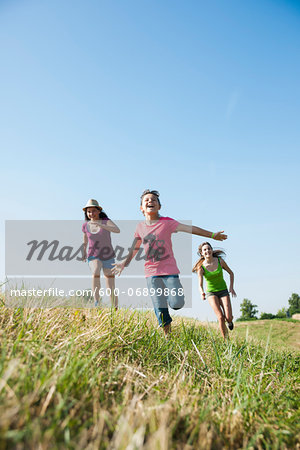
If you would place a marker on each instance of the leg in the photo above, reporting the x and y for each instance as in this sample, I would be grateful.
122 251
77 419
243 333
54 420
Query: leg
215 304
226 304
95 266
160 303
110 284
176 294
167 330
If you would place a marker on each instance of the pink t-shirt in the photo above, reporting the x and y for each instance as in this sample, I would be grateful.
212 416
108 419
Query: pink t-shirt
157 243
99 243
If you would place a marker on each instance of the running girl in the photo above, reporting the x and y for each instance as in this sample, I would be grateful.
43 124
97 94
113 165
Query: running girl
210 266
161 270
100 255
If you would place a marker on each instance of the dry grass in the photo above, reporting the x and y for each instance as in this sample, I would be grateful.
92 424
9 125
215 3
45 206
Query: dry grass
103 379
284 335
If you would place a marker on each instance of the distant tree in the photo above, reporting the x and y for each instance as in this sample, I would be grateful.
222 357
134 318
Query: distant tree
294 302
248 310
282 313
264 316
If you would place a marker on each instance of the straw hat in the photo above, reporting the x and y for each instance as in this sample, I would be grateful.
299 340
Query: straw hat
92 204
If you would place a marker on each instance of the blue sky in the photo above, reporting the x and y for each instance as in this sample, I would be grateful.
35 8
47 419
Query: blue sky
200 101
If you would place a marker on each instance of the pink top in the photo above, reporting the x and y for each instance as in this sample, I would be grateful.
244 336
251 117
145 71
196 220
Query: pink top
157 244
99 243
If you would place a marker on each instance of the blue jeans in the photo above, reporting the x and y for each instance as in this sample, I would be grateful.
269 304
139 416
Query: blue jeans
165 290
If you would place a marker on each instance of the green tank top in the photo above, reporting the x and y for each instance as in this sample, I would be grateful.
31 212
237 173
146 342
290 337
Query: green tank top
214 280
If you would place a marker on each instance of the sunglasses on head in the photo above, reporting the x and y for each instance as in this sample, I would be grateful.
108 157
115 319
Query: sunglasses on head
147 191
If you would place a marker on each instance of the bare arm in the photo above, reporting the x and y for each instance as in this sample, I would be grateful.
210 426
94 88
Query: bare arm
118 268
231 274
200 277
109 225
85 244
218 236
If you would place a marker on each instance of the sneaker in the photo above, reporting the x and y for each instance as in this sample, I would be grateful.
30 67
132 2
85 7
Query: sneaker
230 326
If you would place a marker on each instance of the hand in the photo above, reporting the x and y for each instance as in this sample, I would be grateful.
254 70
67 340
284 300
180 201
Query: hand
232 292
118 269
220 236
203 296
84 256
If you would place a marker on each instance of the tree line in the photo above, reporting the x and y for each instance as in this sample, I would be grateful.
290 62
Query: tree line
249 311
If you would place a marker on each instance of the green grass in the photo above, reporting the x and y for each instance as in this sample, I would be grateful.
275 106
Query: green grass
284 334
102 379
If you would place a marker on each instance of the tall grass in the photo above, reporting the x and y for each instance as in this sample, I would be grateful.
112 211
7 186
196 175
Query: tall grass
285 333
104 379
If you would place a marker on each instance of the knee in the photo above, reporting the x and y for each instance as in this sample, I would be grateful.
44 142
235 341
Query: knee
177 303
95 275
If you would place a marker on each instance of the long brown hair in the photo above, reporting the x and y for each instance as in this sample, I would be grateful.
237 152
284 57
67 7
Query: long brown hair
216 254
102 214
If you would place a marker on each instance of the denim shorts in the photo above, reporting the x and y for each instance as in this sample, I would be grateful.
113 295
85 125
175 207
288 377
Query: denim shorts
106 263
168 292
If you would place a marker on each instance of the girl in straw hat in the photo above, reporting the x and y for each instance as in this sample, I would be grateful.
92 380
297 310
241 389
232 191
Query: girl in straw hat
98 248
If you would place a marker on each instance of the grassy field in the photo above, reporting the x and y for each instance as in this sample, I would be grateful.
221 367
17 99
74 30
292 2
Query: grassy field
283 335
89 379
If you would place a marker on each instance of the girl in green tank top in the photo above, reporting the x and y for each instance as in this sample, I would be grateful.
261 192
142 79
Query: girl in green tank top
214 280
210 266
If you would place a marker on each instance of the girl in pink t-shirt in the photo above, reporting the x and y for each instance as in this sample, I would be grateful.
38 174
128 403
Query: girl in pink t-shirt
98 249
161 270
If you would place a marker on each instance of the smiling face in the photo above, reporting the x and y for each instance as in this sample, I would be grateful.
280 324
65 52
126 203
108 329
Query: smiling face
92 213
206 251
150 205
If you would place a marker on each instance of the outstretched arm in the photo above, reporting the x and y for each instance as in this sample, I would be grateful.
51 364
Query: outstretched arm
109 225
218 236
118 268
231 274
